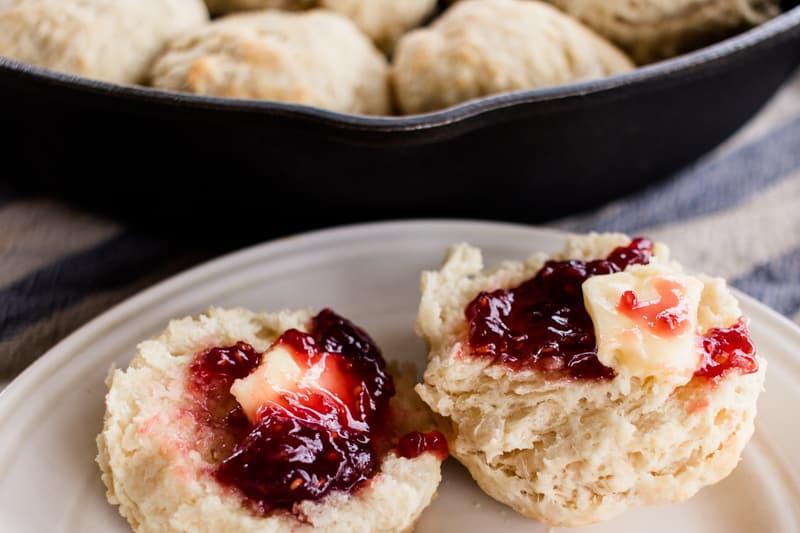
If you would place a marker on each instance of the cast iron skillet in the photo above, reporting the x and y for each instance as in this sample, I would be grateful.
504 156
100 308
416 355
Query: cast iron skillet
179 162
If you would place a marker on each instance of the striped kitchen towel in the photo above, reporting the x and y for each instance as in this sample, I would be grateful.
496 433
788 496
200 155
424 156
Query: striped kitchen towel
735 213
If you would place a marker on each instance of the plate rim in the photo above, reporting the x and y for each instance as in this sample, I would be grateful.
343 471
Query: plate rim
62 350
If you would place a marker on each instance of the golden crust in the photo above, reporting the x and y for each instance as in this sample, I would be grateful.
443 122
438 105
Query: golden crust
482 47
111 40
650 30
383 21
316 58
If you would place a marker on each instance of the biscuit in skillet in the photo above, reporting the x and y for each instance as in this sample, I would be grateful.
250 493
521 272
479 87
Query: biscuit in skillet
483 47
318 58
650 30
109 40
384 21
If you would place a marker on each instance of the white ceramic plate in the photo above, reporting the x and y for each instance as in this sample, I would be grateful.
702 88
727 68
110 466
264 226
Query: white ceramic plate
49 416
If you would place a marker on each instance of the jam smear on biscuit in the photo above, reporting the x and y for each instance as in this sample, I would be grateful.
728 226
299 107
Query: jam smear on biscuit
210 378
414 444
728 349
310 439
543 324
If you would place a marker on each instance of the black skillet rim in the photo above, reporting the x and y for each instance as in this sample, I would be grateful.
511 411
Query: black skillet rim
687 65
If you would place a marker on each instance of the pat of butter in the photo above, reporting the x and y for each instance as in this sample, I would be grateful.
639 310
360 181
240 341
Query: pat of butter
645 321
277 374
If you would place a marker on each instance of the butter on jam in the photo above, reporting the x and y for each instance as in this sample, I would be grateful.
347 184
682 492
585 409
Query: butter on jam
630 313
298 421
291 374
645 321
542 324
276 375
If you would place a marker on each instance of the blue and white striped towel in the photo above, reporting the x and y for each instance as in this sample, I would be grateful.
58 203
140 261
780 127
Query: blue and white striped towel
736 213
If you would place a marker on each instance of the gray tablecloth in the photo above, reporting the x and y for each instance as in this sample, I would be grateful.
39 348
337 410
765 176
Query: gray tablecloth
735 213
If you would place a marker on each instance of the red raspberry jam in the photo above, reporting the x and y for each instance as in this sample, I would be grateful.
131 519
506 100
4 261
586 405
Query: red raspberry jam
211 375
310 441
543 324
415 444
726 349
665 316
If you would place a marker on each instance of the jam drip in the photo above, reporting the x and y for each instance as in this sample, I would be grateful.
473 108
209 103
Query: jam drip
726 349
543 324
286 459
415 444
307 442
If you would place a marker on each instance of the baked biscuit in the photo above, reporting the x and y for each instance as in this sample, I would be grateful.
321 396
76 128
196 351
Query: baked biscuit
656 399
482 47
176 454
110 40
317 58
650 30
384 21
